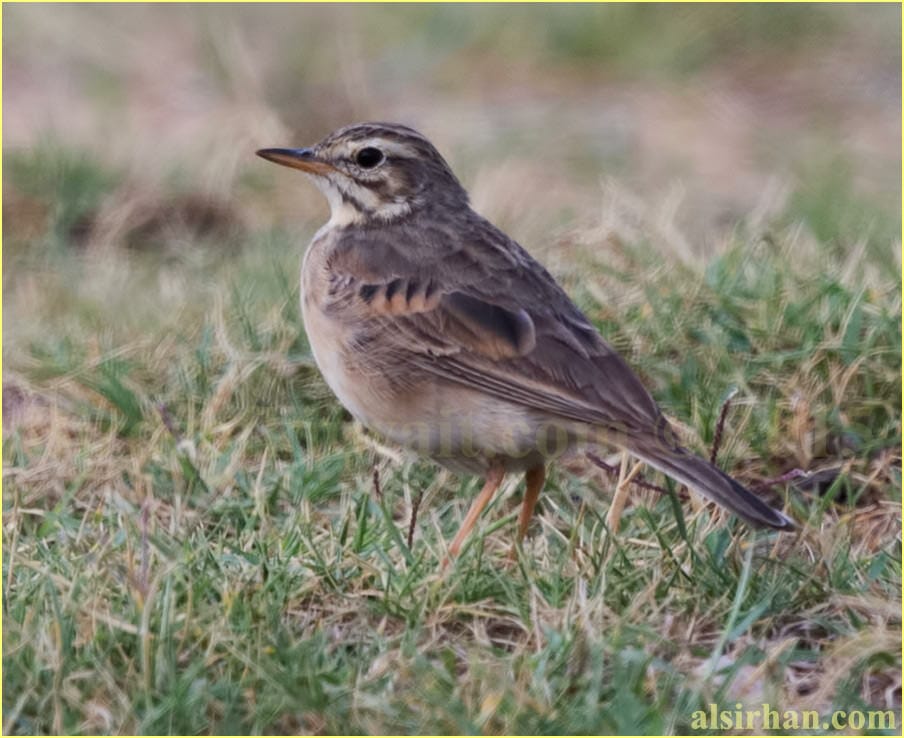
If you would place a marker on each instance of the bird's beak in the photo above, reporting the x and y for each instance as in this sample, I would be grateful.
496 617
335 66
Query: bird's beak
303 159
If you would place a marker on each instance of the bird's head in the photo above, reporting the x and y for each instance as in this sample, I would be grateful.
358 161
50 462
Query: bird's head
375 172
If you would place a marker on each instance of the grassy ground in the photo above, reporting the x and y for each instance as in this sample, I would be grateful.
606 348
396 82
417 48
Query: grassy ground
193 538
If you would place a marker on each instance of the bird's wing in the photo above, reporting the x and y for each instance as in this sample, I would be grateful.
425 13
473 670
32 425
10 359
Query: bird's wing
479 311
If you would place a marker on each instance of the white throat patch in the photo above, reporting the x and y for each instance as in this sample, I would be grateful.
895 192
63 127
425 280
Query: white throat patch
343 212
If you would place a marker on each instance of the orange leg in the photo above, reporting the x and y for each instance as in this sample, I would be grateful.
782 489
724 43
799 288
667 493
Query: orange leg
493 479
534 482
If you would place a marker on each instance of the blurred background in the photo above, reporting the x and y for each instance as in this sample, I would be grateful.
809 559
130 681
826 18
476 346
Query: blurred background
707 114
717 185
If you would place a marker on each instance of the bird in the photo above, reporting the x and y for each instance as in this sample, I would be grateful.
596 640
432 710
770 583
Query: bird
438 331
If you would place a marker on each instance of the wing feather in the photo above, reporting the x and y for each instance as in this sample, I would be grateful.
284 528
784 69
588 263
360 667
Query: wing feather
481 312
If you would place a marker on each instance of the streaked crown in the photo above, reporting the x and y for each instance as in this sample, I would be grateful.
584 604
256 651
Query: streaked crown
382 171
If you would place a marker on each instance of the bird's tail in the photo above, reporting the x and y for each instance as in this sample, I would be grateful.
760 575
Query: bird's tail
682 465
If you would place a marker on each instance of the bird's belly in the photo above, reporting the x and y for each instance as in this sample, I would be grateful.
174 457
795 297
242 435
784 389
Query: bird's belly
460 428
326 338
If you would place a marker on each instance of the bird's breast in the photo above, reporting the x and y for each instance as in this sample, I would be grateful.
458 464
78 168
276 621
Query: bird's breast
329 336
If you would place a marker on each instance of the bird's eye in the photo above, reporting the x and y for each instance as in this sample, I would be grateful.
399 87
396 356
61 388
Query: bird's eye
369 157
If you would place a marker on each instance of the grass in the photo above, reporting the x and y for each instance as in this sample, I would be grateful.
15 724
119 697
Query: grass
193 538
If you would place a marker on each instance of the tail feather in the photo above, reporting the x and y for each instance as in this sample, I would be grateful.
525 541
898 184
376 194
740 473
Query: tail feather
682 465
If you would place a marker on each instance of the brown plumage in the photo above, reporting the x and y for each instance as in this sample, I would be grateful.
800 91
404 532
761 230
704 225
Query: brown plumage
437 330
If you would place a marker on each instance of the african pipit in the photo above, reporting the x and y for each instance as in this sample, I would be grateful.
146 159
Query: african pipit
440 332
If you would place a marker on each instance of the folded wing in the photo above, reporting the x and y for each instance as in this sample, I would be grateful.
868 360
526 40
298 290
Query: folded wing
484 314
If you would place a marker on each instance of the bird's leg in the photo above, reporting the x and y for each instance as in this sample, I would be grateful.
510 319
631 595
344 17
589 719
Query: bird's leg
533 480
494 478
534 485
